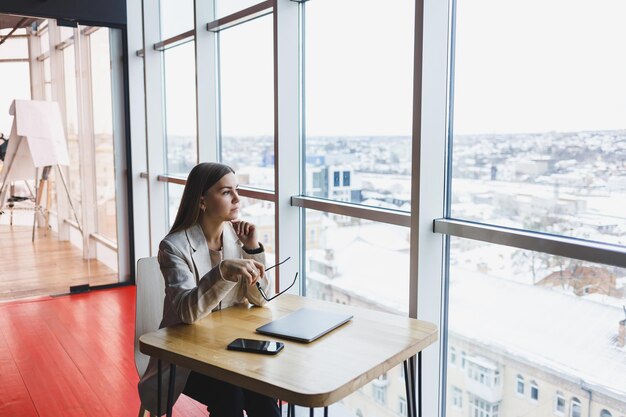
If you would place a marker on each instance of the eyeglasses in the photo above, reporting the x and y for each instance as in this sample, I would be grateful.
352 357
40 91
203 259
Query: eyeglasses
258 285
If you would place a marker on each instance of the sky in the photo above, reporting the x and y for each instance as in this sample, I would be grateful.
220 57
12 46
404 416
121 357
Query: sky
520 66
539 65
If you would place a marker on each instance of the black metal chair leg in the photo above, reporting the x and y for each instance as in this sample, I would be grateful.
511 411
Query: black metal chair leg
159 375
170 390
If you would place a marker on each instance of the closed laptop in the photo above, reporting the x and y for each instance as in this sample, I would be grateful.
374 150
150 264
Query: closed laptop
305 324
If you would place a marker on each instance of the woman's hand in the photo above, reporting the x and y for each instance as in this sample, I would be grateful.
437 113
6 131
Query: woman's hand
246 232
247 269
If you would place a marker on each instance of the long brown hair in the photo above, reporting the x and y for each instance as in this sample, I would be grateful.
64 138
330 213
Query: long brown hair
202 177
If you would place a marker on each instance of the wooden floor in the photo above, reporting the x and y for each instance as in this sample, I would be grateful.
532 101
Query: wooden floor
72 356
45 266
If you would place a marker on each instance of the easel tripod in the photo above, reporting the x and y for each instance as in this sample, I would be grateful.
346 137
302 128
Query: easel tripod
39 189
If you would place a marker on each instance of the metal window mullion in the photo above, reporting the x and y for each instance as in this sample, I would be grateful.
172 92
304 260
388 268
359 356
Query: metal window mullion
358 211
241 16
42 57
138 145
64 44
37 90
88 30
10 60
175 40
206 83
111 244
84 98
557 245
244 191
428 191
120 156
57 88
287 136
155 134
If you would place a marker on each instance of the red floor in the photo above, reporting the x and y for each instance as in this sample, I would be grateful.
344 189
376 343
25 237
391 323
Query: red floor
72 356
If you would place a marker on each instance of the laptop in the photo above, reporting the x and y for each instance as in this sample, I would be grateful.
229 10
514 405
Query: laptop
304 325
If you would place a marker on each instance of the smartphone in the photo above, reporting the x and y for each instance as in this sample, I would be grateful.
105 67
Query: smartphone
256 346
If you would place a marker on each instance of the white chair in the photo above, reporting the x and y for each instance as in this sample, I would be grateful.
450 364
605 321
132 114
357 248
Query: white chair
148 309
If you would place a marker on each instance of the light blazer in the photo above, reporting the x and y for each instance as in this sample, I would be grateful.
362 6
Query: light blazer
194 288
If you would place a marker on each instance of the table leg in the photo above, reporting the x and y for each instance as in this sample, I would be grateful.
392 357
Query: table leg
409 381
311 412
325 411
170 390
159 388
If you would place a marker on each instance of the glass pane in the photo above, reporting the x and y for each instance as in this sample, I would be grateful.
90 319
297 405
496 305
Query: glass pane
45 41
180 109
261 214
174 194
247 101
526 320
539 133
14 84
177 16
71 128
358 101
14 48
366 264
65 32
100 55
226 7
336 247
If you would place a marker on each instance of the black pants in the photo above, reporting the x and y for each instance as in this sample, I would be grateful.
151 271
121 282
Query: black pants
226 400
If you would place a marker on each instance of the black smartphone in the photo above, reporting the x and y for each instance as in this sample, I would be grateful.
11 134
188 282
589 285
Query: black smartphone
256 346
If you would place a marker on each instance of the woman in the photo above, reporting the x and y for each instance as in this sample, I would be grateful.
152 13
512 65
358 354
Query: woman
210 260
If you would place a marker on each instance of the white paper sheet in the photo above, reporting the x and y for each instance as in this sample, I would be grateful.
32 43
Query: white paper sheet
20 163
40 122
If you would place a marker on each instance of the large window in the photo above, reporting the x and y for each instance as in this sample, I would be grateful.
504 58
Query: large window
176 17
100 56
537 144
523 129
539 134
508 313
71 127
358 101
180 108
357 262
247 101
227 7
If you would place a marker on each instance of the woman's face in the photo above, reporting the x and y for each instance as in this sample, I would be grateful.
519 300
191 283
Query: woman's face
221 201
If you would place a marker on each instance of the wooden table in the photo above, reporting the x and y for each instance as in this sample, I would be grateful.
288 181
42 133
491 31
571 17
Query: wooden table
314 374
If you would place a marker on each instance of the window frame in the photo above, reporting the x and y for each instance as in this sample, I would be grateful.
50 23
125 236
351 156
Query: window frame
457 397
429 223
520 383
575 403
533 388
559 396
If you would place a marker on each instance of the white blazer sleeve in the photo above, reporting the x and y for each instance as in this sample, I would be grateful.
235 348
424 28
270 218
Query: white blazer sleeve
189 301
